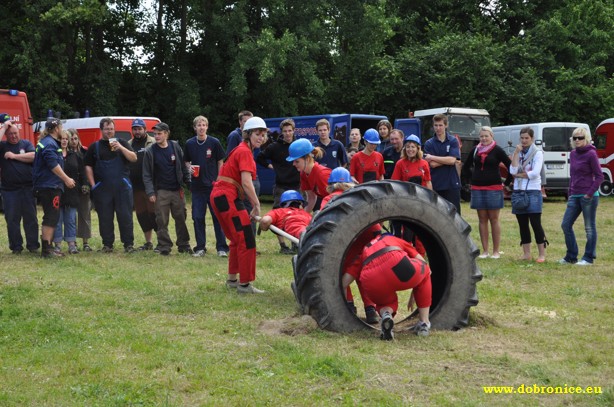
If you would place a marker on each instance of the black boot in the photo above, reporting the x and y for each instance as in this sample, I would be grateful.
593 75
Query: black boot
48 251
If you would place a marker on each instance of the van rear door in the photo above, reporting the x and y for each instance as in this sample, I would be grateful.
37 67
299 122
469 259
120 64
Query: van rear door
556 146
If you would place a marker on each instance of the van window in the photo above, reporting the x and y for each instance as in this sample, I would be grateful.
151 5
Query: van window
557 138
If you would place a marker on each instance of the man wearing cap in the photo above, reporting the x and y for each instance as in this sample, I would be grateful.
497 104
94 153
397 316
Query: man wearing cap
204 157
108 172
16 157
145 211
164 175
48 180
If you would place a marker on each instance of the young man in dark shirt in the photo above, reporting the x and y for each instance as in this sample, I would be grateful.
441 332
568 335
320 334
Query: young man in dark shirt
164 175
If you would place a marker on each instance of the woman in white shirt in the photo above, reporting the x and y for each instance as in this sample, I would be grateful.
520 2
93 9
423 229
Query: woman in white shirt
526 167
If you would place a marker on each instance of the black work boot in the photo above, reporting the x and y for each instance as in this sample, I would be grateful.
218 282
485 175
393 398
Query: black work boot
48 251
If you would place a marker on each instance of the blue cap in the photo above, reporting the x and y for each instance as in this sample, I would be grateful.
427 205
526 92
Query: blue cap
299 148
372 136
289 196
138 123
413 138
339 174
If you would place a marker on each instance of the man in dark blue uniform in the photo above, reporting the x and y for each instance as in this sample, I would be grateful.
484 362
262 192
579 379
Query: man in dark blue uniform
48 180
442 153
334 151
107 169
16 157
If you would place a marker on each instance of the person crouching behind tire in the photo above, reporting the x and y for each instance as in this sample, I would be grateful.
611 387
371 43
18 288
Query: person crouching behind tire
289 217
340 181
390 264
314 177
234 183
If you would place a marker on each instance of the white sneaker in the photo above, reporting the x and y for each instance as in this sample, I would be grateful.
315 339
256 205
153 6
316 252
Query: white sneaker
249 289
199 253
484 255
583 263
222 253
563 261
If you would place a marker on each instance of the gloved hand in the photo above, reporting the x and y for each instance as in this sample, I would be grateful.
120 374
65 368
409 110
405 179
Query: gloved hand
85 189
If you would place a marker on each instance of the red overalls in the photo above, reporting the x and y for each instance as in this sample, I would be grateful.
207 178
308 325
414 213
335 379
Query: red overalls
388 266
232 215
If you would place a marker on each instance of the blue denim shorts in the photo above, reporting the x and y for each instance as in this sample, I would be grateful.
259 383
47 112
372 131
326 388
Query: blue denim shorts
536 203
481 199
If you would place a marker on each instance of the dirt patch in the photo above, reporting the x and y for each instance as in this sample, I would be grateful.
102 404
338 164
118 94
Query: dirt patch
291 326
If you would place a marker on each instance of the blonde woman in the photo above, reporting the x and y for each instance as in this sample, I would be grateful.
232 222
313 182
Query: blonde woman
586 176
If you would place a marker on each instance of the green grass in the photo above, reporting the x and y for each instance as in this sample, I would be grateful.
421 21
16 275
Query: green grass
143 329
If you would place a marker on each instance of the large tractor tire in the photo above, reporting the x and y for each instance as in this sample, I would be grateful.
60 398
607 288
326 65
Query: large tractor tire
451 252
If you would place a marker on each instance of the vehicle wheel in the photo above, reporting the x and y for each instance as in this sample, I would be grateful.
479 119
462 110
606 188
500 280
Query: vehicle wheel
451 252
605 188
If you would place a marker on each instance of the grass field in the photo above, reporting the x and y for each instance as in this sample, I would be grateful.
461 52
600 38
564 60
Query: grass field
143 329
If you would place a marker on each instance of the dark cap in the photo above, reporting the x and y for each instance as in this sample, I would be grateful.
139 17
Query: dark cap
162 126
52 123
138 123
4 117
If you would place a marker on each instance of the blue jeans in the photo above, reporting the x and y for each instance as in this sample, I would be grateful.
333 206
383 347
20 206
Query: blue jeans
200 201
68 218
588 209
21 205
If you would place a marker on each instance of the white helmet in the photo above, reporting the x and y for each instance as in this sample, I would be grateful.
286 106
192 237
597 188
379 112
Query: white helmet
254 123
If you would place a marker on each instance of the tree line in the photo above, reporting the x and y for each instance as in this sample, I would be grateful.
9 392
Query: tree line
522 60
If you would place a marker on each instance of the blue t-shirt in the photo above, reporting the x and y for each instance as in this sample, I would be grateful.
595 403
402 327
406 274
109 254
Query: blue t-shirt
165 170
15 174
206 154
445 177
335 154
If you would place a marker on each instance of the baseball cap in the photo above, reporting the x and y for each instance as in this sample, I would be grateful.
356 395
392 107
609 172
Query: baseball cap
4 117
162 126
138 123
52 123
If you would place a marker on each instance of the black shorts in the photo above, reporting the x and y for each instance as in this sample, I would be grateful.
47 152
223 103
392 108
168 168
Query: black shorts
50 200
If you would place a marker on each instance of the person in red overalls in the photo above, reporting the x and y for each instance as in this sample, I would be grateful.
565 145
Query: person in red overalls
368 165
290 216
234 184
390 264
314 177
339 182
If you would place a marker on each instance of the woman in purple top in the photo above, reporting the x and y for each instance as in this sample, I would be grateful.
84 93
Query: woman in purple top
586 176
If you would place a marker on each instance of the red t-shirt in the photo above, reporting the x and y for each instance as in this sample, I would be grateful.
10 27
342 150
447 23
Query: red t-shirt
316 181
367 168
327 198
290 220
406 170
241 159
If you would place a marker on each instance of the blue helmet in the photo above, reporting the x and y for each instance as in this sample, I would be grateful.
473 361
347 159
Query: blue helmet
372 136
299 148
138 123
413 138
288 196
339 174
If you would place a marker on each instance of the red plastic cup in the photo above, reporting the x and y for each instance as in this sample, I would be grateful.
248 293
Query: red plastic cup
196 170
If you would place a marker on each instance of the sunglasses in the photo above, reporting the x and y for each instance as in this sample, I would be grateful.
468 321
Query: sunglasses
578 138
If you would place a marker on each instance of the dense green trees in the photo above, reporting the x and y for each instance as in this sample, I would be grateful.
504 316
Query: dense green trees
523 60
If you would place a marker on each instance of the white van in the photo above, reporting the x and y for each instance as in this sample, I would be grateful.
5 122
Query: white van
553 138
